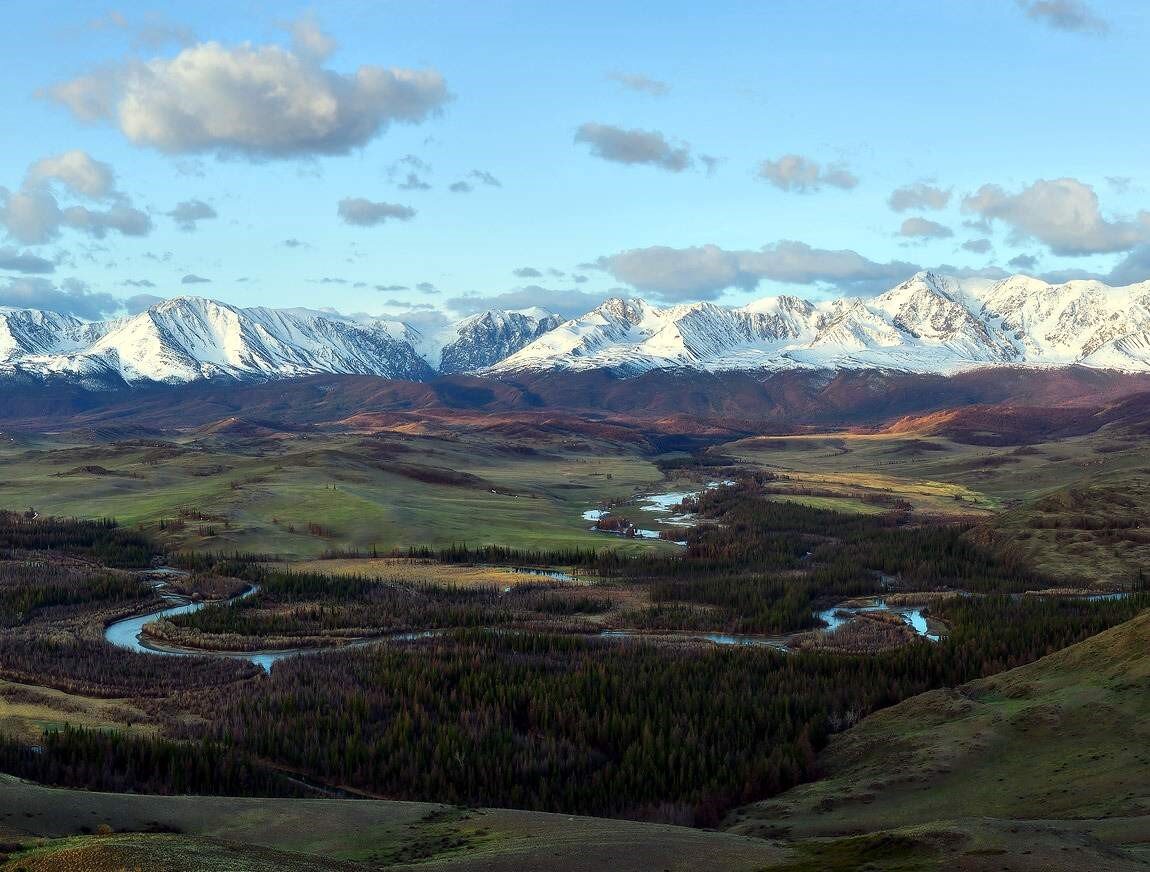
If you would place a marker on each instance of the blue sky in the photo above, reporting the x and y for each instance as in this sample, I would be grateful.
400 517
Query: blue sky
698 151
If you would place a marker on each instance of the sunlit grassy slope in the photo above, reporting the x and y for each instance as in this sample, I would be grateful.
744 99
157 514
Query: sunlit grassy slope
262 495
1077 508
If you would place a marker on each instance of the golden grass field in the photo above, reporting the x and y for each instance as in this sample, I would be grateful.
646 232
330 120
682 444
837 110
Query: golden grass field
405 570
26 711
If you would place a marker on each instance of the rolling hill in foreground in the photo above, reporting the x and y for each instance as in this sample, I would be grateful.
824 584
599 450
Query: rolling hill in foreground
1044 768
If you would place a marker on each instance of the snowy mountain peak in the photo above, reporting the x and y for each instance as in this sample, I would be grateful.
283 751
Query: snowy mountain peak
485 338
928 323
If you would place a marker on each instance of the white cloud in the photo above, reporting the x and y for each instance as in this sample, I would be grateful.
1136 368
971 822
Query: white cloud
648 147
706 271
122 218
919 195
367 213
33 215
77 171
12 260
923 228
1062 213
253 101
978 246
793 172
188 212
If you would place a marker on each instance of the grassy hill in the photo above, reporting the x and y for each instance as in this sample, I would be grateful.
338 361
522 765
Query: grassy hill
265 834
1050 762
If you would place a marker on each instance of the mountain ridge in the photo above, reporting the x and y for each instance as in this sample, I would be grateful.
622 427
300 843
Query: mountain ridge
930 323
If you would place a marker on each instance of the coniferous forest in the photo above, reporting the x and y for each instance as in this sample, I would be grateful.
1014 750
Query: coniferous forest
513 698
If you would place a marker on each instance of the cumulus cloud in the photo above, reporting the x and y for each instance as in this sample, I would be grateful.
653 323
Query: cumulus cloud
138 283
12 260
294 243
566 302
390 288
978 246
70 296
919 195
426 288
77 171
1071 15
647 147
253 101
923 228
793 172
642 84
30 216
368 213
33 214
193 279
1062 213
187 213
122 218
460 188
704 272
527 272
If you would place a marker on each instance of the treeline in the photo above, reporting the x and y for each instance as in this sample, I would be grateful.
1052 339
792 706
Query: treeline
290 605
765 566
121 763
28 586
755 565
103 541
610 727
95 668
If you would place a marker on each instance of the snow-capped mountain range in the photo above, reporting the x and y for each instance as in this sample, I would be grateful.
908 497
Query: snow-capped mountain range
930 323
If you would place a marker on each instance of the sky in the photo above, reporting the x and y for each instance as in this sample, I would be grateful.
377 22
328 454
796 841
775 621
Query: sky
431 159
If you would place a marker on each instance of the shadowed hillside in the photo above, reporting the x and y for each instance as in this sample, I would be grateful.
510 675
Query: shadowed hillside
1055 747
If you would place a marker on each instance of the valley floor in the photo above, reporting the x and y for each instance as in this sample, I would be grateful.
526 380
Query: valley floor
950 779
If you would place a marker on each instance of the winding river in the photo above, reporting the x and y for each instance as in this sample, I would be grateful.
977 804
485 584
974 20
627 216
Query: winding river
128 633
911 616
